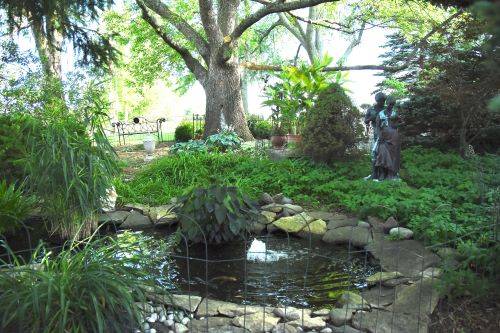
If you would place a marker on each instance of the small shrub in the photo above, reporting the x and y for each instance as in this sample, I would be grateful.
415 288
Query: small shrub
332 127
184 132
14 207
260 128
216 214
12 147
192 146
87 287
224 141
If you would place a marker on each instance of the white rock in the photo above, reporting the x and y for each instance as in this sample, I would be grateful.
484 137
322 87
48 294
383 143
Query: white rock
326 330
145 326
179 328
153 318
162 319
170 316
185 321
169 322
152 330
402 233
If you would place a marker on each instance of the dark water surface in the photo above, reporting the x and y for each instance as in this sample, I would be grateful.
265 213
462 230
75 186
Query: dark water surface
307 274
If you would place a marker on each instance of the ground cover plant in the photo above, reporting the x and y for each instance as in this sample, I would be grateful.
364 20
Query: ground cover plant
89 286
441 195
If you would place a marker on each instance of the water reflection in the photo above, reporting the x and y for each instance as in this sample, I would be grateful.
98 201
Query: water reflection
300 274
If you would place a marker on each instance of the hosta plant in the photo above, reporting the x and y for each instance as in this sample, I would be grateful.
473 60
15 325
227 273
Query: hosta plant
216 214
224 141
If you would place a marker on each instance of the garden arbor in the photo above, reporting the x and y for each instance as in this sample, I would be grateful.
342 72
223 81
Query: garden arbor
213 59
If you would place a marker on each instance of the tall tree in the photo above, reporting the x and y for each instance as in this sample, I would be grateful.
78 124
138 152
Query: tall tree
214 63
54 21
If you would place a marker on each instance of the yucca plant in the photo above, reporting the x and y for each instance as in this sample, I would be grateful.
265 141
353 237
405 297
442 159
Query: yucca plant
90 286
14 207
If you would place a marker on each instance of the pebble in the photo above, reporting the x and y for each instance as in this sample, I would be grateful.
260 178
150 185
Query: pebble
153 318
185 321
169 322
145 326
326 330
179 328
170 316
162 318
152 330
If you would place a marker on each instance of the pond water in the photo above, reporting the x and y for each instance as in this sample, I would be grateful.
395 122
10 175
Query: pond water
269 271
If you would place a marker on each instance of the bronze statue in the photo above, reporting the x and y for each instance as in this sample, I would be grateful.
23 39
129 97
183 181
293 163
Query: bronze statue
387 148
370 118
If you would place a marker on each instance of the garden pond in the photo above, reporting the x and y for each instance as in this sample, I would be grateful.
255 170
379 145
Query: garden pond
270 270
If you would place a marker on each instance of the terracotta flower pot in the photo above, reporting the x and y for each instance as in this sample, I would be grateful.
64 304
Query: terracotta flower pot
278 141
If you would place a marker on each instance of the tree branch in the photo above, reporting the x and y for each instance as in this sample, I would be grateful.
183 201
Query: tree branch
192 64
271 8
276 68
209 21
180 24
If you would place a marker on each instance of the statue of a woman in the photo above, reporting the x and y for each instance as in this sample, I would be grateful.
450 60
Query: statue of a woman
387 149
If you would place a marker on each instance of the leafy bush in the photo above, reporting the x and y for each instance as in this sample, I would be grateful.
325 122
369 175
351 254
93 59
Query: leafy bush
260 128
332 127
87 287
192 146
224 141
216 214
14 207
184 132
70 164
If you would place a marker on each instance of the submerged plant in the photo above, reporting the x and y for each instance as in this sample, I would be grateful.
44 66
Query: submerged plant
87 287
216 214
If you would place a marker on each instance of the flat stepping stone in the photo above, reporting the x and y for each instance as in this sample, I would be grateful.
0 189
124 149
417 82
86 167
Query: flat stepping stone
257 322
389 322
420 298
322 215
379 296
204 325
409 257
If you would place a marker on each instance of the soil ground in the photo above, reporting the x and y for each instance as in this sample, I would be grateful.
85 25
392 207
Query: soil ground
466 315
135 157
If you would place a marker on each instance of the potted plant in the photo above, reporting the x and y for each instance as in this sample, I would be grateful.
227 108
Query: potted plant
278 138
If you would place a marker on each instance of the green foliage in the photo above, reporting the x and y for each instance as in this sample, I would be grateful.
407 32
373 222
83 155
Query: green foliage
184 132
332 128
89 286
223 141
11 147
439 197
260 128
14 207
296 92
66 158
192 146
477 272
216 214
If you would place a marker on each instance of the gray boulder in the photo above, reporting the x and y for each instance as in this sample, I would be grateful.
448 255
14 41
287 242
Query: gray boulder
355 236
341 220
266 199
116 217
136 220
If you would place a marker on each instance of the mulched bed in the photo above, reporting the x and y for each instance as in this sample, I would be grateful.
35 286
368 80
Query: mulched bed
466 315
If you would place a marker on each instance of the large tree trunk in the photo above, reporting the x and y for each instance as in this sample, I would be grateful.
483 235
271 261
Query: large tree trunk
223 98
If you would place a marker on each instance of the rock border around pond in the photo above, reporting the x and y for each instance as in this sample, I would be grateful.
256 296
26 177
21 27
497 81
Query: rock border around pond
403 289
